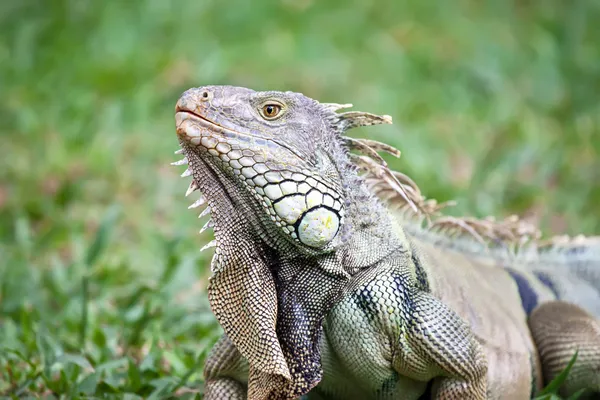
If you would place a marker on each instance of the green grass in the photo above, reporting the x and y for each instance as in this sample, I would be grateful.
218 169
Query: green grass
102 287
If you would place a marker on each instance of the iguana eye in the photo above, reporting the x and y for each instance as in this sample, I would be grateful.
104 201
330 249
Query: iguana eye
271 110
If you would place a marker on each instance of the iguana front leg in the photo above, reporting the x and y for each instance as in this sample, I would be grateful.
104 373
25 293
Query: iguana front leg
225 372
228 376
394 338
438 343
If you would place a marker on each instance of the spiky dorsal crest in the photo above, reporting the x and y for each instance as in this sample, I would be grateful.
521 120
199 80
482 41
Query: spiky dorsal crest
371 161
401 193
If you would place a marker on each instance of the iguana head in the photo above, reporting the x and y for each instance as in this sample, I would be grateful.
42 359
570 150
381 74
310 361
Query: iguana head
286 204
276 148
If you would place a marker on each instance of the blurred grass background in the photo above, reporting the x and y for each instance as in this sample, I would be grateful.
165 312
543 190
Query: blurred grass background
495 103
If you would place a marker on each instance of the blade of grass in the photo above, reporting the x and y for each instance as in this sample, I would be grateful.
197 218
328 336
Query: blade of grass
94 251
554 386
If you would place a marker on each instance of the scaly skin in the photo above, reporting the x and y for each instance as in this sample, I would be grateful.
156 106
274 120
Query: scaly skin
323 291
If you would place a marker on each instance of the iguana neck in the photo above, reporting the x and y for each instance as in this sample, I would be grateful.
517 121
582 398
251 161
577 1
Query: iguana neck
371 233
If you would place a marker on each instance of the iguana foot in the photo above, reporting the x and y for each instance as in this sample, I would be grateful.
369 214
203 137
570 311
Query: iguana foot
224 388
223 366
559 329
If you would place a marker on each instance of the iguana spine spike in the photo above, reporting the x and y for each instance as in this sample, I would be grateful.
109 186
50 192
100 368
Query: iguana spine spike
197 203
358 145
380 146
183 161
193 187
209 224
212 243
336 106
355 119
204 212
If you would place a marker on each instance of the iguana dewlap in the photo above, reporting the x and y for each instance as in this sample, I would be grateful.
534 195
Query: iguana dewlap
334 278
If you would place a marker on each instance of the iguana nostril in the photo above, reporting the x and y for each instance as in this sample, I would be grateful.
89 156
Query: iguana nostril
206 95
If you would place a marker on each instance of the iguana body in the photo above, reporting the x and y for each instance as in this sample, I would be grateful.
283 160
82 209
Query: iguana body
324 291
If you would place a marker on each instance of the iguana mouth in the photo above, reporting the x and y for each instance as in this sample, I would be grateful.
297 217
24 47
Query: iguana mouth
182 115
194 135
198 116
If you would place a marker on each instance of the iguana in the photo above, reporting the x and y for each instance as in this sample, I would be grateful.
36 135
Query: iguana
333 277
